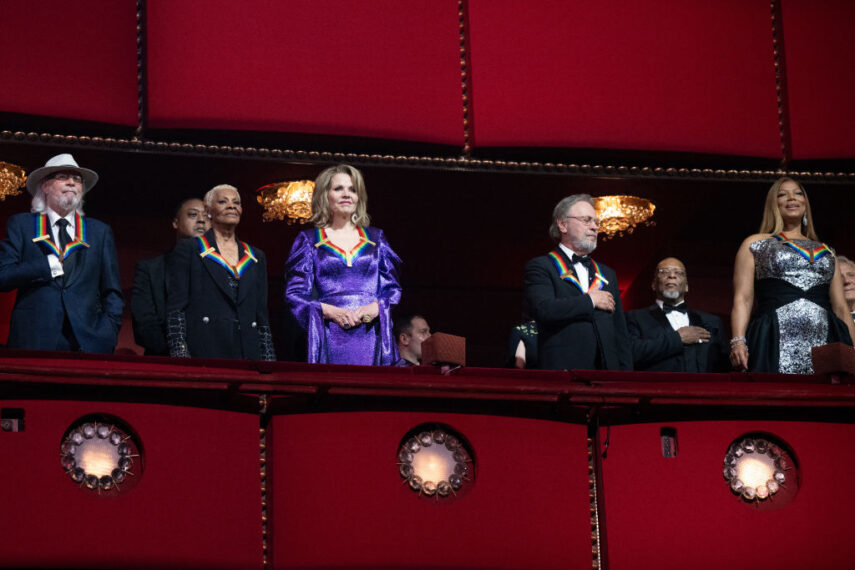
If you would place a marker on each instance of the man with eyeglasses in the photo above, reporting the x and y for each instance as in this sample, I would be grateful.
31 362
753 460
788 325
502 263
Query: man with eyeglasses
64 266
575 300
671 337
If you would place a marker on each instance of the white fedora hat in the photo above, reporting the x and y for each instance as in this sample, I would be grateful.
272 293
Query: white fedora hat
59 163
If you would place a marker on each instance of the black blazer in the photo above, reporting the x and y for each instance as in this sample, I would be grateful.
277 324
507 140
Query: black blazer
148 305
571 332
656 346
198 288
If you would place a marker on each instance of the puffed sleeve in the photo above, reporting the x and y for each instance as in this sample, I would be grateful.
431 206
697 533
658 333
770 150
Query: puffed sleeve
299 286
388 295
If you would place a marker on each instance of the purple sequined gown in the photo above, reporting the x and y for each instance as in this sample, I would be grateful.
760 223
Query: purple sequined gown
319 272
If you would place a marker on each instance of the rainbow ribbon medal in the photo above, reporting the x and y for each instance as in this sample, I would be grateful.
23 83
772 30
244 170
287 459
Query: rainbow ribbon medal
207 250
810 254
347 257
567 274
43 236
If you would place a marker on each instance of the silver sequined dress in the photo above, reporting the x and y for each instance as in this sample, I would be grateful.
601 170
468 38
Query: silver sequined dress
802 324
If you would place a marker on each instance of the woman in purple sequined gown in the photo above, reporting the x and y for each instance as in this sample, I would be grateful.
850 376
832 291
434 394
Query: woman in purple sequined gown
798 288
342 276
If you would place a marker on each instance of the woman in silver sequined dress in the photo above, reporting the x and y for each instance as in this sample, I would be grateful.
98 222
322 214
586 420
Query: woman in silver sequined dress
798 288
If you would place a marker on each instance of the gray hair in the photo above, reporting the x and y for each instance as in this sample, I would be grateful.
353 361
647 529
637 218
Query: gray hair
844 259
561 210
209 195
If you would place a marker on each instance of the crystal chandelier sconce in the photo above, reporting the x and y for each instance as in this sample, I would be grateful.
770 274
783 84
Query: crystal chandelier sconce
12 179
620 215
289 201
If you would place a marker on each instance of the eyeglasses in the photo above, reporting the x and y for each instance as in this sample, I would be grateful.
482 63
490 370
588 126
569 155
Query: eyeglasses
63 176
666 272
587 220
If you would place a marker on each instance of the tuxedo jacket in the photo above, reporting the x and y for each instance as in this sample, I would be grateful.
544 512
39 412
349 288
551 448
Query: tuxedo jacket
656 346
218 324
90 295
148 305
571 333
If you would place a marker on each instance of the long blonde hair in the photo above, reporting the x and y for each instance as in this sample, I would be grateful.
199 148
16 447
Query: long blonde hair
321 202
773 223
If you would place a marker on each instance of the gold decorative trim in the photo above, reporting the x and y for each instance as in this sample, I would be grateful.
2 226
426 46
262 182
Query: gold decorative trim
141 70
262 449
437 162
594 507
780 84
462 17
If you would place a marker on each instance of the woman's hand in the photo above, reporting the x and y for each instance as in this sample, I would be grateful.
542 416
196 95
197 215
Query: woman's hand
367 313
739 355
345 318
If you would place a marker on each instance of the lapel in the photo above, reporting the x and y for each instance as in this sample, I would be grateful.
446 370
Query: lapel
74 251
568 265
695 319
659 316
214 263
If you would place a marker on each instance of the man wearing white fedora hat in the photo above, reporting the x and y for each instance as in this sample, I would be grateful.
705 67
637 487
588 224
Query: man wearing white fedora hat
64 266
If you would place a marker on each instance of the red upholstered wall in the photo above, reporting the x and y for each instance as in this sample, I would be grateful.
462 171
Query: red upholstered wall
655 75
75 61
680 513
339 501
820 57
196 505
383 69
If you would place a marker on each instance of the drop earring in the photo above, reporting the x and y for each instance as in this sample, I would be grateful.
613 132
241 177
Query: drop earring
804 220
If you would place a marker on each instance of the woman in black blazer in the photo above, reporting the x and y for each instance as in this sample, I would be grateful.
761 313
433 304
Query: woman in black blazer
217 289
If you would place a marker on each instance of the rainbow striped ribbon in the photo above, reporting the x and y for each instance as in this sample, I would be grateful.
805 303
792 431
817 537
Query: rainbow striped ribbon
43 236
347 257
566 273
207 250
810 254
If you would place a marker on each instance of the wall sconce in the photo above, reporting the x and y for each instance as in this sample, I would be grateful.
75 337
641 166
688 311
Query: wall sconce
12 179
289 201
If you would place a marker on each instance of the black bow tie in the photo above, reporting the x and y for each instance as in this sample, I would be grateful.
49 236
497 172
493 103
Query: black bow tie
585 260
681 308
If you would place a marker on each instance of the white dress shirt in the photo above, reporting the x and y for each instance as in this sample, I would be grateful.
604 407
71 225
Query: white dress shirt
581 270
677 319
71 229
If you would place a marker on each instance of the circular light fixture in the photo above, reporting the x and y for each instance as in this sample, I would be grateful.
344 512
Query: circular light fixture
434 461
99 453
759 467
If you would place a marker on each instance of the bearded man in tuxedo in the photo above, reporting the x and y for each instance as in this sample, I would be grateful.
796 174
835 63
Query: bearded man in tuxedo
668 336
574 299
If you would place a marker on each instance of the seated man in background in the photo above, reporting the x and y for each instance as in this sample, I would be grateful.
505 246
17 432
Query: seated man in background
148 300
670 337
410 333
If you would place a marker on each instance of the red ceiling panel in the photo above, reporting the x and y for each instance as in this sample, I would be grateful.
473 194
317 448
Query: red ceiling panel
657 75
71 60
820 57
384 69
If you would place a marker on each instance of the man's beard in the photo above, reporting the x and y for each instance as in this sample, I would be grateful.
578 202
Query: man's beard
69 203
585 245
671 295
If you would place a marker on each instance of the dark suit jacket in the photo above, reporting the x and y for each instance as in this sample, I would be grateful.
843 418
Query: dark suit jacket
217 326
148 305
656 346
571 332
90 296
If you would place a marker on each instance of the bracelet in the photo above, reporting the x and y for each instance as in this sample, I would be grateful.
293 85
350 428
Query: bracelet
736 339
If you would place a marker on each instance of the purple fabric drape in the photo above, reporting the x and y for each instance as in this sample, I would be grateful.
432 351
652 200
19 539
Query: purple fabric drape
318 273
